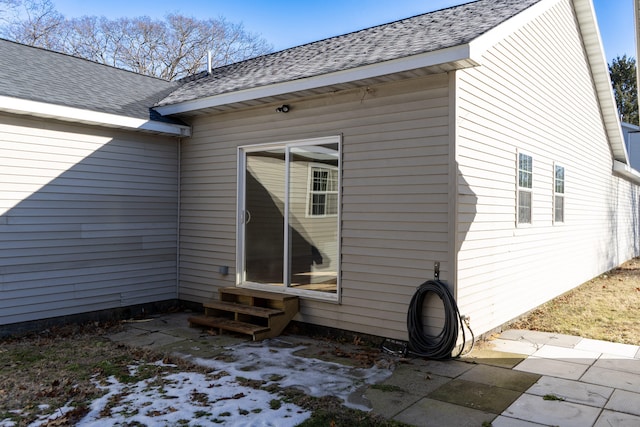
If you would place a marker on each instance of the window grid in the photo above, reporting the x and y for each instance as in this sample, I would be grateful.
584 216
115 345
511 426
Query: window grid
525 187
323 192
558 194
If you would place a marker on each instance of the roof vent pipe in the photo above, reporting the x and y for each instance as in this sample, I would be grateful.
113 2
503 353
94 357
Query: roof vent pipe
209 62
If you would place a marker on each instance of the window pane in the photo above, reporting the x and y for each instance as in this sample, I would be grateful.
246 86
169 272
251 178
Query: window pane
559 209
524 207
525 171
559 179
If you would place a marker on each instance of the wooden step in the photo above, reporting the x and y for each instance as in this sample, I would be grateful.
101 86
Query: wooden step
228 325
275 296
261 314
234 307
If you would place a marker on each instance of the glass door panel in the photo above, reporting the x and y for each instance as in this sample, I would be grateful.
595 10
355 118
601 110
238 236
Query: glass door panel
264 216
313 217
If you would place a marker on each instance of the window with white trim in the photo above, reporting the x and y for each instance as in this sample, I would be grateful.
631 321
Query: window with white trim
558 194
323 191
525 188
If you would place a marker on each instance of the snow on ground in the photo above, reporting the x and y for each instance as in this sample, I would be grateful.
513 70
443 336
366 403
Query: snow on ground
274 361
217 399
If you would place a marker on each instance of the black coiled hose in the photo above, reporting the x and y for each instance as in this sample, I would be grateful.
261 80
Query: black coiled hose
440 346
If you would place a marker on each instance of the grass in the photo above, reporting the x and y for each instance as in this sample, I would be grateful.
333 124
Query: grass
605 308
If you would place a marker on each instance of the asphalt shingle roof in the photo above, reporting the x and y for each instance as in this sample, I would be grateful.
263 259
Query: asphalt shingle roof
41 75
420 34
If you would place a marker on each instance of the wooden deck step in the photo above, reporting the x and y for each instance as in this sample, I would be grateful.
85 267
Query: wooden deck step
243 309
275 296
228 325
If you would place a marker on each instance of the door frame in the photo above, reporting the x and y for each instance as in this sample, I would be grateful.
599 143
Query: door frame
241 209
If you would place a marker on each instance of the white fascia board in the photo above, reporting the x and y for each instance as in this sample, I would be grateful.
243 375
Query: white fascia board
594 50
78 115
443 56
492 37
626 171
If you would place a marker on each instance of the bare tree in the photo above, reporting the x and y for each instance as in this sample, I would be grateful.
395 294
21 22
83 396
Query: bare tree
172 48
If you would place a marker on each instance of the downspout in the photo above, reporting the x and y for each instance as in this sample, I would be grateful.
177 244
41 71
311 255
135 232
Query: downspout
178 213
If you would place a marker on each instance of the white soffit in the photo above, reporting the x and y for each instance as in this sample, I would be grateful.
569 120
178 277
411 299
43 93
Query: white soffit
448 55
78 115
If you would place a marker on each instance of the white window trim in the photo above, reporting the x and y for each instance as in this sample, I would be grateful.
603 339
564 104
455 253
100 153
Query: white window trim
310 191
525 189
556 194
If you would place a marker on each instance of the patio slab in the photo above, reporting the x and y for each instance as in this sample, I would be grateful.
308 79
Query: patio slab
540 338
477 396
434 413
572 391
501 377
552 412
624 401
617 419
613 378
553 368
567 354
489 356
612 348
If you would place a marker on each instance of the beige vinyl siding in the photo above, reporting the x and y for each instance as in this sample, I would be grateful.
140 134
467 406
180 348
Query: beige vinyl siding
533 94
88 219
394 197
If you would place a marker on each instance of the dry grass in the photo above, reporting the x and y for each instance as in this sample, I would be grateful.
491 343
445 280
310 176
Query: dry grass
605 308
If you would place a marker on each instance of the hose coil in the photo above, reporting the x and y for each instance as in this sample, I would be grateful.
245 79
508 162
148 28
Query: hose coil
440 346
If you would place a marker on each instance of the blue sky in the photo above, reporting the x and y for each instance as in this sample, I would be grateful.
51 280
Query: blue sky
287 23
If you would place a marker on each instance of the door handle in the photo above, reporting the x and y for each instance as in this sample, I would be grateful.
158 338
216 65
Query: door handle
247 217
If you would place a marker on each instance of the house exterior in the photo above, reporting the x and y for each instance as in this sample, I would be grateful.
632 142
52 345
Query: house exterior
481 141
88 193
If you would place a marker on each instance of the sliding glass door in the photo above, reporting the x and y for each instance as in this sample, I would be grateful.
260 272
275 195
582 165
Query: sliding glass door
289 206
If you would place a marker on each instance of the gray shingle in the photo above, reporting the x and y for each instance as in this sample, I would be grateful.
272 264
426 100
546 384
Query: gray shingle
412 36
40 75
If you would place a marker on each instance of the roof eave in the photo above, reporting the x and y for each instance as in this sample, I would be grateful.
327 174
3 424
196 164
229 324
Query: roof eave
458 55
602 82
626 171
95 118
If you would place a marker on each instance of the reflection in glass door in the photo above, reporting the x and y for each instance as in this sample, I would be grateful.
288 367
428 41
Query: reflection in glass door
291 194
264 216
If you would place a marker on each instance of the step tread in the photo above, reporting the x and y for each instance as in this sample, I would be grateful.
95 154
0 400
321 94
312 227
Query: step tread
243 308
228 324
276 296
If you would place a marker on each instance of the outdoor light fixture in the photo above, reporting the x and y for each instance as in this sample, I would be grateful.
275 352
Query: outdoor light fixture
284 109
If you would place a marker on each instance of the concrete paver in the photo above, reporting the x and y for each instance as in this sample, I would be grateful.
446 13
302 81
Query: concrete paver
500 377
588 383
552 368
624 401
613 378
474 395
552 412
612 348
617 419
434 413
572 391
566 354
